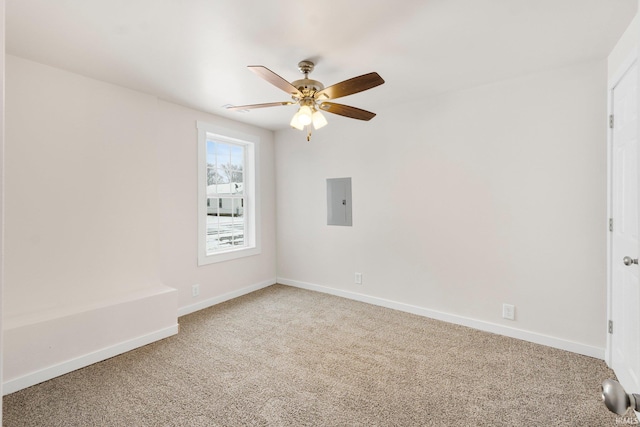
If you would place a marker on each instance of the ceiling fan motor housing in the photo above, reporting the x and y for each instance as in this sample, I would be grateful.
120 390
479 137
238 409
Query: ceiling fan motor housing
307 86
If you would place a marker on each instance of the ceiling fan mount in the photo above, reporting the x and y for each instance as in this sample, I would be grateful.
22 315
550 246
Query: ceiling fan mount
306 67
312 96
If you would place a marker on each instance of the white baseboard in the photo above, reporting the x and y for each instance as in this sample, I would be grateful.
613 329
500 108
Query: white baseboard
533 337
85 360
200 305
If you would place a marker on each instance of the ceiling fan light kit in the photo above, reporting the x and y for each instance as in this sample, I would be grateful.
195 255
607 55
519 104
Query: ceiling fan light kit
311 96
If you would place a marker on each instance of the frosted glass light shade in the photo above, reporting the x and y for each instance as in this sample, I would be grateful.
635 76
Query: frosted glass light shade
295 122
318 120
304 115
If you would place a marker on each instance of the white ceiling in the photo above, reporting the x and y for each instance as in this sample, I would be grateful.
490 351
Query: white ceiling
195 52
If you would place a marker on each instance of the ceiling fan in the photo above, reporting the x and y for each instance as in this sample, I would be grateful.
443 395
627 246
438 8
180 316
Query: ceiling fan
312 96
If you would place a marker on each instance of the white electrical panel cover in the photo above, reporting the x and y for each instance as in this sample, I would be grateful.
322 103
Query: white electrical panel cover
339 201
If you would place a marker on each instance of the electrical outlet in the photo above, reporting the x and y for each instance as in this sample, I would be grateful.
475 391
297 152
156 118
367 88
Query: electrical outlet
358 279
508 311
195 290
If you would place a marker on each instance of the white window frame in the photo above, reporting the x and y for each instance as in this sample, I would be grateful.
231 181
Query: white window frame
251 192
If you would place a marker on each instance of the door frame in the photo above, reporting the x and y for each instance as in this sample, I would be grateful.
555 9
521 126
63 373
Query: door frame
624 67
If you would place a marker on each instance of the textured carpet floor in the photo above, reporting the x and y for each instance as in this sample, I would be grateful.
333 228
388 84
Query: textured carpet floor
288 357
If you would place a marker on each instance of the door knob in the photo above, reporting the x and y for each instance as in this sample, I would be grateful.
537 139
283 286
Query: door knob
628 260
616 399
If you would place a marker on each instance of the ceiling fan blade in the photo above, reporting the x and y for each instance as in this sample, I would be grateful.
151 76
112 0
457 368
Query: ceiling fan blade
268 104
347 111
275 79
351 86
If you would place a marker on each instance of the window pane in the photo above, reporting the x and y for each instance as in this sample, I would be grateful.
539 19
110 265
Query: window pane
235 175
227 175
212 206
211 153
237 183
225 206
237 157
238 222
213 176
239 208
223 154
223 181
237 168
225 222
213 242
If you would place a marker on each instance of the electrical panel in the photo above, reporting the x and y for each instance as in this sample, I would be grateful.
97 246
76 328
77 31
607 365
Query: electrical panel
339 201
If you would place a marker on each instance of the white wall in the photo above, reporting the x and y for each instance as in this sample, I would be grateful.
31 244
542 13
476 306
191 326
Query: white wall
628 42
81 190
101 222
476 198
81 223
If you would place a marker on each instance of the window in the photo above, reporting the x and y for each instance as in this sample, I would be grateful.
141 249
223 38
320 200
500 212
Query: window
227 195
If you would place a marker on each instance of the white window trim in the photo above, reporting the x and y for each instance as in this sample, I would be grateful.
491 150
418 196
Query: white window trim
251 189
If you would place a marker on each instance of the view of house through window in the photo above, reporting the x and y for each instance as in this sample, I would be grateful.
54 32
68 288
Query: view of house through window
226 225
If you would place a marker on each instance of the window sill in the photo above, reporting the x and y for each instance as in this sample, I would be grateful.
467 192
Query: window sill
227 255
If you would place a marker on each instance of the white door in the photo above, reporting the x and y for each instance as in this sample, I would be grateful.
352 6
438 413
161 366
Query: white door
625 287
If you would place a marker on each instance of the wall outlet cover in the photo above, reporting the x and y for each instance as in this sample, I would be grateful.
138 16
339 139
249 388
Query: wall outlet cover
508 311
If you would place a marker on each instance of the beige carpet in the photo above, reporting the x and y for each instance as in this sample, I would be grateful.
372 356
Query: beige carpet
289 357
